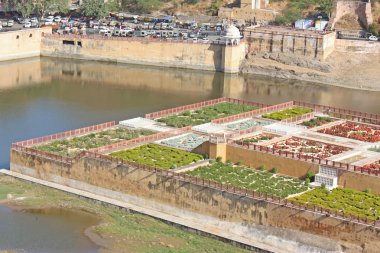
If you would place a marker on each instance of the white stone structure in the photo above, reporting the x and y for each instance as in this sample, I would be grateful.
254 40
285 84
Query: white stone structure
232 36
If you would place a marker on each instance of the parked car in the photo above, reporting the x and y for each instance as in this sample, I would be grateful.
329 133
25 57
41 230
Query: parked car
57 19
27 24
373 38
205 40
10 23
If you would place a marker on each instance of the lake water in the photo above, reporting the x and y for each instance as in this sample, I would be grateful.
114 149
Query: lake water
45 231
44 96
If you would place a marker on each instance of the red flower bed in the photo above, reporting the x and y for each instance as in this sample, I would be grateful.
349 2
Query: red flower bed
308 147
354 131
374 166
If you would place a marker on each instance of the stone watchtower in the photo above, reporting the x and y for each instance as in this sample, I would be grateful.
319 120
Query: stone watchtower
234 51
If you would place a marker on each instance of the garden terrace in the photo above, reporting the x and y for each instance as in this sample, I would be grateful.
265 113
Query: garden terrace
258 138
187 142
205 114
318 121
158 156
245 124
287 113
73 146
356 131
345 201
247 178
309 147
373 166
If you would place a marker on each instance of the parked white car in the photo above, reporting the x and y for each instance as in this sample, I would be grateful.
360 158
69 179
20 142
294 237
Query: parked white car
104 29
34 20
373 38
10 23
27 24
57 19
205 40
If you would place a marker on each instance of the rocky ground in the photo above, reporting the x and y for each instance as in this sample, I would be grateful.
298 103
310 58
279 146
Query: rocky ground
352 70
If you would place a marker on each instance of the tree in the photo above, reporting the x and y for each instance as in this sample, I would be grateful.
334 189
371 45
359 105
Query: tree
148 5
25 7
99 9
325 6
48 6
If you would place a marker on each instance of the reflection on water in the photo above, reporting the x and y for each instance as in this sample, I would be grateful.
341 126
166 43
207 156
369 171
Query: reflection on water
44 96
45 231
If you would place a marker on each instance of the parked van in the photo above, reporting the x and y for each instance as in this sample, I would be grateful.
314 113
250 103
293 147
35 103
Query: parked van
140 33
164 34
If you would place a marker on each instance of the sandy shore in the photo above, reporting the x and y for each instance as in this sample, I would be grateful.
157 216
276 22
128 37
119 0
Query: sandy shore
349 70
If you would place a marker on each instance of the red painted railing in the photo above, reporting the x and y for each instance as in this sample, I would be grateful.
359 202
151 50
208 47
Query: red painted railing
66 134
253 113
306 158
176 110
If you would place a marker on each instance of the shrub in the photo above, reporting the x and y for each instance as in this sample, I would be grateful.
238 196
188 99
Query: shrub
239 163
374 28
274 170
368 190
219 159
307 181
261 167
243 177
323 186
310 175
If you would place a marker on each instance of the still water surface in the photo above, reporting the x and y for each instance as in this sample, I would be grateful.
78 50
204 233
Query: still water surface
45 96
45 231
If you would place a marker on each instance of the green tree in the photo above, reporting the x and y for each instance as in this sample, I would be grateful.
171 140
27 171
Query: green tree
96 8
374 28
50 6
25 7
325 6
148 5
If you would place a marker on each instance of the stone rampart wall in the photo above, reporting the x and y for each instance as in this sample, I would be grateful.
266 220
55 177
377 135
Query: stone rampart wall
200 200
21 44
205 56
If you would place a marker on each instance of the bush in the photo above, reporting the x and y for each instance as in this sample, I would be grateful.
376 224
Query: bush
368 190
219 159
274 170
310 175
307 181
374 28
261 167
239 163
323 186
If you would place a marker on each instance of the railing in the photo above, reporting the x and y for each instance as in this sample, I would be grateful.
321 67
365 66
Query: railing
141 140
66 134
199 105
302 117
208 183
361 116
305 158
253 113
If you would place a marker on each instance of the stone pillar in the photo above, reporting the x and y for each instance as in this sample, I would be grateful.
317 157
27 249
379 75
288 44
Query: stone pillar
232 57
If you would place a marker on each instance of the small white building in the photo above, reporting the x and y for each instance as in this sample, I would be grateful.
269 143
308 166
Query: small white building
232 36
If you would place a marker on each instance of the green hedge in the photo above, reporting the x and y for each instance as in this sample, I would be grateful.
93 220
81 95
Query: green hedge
72 146
243 177
288 113
205 114
347 200
158 156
